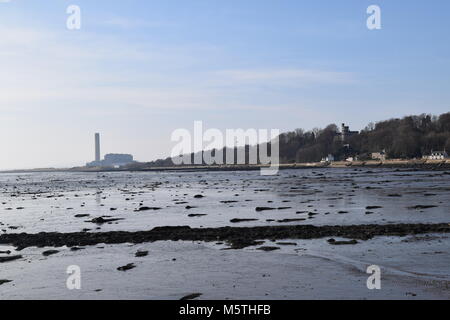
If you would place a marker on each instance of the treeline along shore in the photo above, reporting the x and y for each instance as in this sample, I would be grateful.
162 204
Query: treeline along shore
407 141
394 164
440 165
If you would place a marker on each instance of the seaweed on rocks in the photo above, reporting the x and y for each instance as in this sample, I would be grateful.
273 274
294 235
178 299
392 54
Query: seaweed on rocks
237 237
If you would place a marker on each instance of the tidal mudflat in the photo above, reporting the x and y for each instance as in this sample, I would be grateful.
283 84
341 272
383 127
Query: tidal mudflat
307 233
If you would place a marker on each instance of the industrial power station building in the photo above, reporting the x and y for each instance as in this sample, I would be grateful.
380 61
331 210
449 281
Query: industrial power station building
114 160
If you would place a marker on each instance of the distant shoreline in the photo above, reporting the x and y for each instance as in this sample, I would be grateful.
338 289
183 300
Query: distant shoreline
398 164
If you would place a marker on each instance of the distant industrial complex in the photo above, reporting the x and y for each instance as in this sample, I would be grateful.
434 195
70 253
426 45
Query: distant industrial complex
114 160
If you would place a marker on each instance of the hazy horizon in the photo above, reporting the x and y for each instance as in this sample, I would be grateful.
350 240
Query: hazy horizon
138 70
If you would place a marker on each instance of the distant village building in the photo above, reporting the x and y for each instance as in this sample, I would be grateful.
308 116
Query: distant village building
347 133
437 155
379 155
329 158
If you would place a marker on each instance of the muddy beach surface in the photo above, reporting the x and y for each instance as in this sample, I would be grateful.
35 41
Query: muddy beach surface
303 234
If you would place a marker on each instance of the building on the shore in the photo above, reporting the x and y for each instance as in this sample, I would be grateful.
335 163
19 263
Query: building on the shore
346 133
114 160
437 155
379 155
351 159
329 158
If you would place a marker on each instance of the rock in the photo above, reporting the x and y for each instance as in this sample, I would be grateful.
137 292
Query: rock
290 220
421 207
4 281
191 296
373 207
242 220
148 208
82 215
127 267
338 243
10 258
286 243
140 254
102 220
259 209
199 196
49 252
268 248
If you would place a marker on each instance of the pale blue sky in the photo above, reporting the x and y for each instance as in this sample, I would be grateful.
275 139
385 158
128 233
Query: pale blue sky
139 69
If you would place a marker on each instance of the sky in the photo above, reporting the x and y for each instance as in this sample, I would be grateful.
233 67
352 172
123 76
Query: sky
137 70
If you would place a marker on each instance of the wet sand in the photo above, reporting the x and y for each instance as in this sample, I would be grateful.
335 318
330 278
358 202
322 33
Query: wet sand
314 231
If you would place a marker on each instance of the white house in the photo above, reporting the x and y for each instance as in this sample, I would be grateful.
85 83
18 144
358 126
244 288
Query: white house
438 155
379 155
329 158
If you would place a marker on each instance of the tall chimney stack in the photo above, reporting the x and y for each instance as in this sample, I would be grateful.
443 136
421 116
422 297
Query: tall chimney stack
97 147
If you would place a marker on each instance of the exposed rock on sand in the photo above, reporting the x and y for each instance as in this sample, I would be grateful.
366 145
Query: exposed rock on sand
147 208
102 220
268 248
237 237
289 220
339 243
140 254
259 209
49 252
8 259
127 267
191 296
242 220
421 207
81 215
